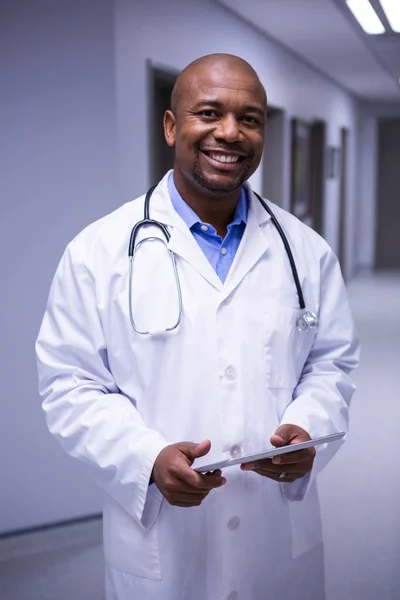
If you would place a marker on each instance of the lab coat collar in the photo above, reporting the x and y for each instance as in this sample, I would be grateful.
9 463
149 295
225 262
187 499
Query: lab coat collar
252 246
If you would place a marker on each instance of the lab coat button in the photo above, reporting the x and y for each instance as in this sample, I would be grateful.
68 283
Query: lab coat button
230 373
233 523
233 595
235 451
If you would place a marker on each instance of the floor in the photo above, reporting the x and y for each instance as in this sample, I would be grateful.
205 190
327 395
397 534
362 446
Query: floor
359 491
62 563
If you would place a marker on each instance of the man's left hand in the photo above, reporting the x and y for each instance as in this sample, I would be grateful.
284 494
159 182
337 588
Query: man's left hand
286 467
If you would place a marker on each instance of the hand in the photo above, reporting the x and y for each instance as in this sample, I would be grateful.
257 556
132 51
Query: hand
292 465
179 484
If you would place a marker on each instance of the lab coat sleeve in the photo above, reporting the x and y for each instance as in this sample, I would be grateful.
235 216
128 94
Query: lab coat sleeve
84 409
322 397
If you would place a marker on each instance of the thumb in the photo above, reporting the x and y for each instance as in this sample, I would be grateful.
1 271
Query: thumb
289 434
193 451
201 449
284 435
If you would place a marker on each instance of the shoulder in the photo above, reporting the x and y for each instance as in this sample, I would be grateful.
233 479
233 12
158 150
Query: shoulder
106 238
301 236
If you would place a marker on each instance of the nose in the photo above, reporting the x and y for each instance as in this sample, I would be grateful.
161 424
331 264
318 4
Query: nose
228 129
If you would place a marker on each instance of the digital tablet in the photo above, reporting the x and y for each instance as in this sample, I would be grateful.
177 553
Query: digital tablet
240 460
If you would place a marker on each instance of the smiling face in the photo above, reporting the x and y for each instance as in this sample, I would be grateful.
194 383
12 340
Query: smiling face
217 125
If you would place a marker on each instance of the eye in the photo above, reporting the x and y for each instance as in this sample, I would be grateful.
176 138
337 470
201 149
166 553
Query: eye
208 114
250 120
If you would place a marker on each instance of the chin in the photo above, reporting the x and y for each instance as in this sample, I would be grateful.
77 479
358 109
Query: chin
218 185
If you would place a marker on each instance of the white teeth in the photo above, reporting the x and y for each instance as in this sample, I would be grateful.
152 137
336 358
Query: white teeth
223 158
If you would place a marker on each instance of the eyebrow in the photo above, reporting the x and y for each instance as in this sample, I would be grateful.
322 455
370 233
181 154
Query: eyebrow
216 104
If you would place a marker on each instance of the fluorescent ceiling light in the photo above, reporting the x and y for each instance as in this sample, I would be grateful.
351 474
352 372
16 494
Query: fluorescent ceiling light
366 16
392 12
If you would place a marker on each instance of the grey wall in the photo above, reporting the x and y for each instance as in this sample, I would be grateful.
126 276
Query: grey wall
58 173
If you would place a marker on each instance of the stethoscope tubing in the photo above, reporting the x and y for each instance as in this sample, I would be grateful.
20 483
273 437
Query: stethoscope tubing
308 320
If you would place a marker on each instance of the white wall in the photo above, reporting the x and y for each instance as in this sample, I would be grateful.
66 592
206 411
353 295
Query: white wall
367 168
58 173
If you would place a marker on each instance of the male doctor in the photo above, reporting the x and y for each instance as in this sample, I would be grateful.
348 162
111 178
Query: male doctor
233 377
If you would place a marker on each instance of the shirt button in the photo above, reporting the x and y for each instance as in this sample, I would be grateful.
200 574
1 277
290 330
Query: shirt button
233 595
235 451
224 250
204 228
233 523
230 373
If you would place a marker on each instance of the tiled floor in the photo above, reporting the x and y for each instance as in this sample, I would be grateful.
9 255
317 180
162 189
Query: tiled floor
360 490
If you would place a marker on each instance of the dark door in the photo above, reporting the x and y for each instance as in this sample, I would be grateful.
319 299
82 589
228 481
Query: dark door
161 84
317 176
307 172
273 156
344 137
387 253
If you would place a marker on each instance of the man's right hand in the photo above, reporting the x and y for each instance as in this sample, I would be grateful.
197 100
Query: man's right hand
177 481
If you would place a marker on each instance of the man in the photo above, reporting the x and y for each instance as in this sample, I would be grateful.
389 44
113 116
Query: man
232 371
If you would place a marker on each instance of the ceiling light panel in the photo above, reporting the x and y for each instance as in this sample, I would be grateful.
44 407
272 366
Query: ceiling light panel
392 12
366 16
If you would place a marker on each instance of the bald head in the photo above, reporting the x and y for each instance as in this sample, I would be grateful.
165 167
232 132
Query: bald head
214 67
216 125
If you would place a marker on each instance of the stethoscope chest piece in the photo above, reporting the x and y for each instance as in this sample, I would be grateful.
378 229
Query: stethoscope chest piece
307 321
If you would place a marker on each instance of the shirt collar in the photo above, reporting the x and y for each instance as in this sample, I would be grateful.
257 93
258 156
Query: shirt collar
188 215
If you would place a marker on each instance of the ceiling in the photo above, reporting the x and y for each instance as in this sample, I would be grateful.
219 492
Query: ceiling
325 34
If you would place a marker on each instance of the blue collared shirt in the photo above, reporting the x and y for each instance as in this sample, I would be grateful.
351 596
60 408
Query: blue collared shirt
219 251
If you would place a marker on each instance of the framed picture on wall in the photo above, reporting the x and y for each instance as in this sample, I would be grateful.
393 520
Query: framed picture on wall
301 197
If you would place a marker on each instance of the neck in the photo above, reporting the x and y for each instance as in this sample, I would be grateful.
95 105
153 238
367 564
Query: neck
214 208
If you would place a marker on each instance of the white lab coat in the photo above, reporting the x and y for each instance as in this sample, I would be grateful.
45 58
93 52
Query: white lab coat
234 369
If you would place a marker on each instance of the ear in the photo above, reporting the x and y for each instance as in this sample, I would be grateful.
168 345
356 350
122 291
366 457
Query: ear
170 128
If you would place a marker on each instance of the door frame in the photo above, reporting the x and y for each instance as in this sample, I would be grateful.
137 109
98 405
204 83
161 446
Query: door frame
155 71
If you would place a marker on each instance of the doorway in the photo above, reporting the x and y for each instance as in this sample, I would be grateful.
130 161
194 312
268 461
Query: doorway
387 253
317 175
308 172
161 84
344 142
273 157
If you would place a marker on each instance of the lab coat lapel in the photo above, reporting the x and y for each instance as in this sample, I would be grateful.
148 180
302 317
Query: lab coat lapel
253 245
182 243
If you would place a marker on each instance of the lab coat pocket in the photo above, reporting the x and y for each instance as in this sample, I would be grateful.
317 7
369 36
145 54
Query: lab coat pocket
286 348
129 546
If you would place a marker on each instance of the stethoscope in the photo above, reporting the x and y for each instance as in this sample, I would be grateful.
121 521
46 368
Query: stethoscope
307 320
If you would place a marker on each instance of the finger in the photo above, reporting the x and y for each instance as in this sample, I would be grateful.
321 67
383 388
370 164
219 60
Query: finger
198 481
289 477
218 472
298 456
185 504
187 498
271 469
180 487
